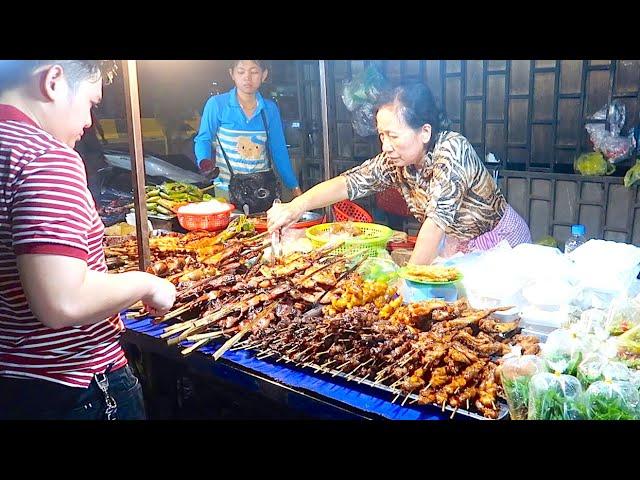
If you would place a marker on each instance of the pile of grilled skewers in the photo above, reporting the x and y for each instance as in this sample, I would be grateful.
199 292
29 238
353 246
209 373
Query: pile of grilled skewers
434 352
312 310
192 256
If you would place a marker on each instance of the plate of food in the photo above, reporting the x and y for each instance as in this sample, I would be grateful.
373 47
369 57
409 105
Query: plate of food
430 274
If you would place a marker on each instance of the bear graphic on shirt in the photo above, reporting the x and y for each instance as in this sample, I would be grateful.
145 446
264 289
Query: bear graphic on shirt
248 149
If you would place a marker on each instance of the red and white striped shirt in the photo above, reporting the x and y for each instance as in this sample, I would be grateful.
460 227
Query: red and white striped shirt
46 207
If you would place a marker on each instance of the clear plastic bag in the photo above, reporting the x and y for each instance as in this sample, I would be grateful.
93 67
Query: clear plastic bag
554 396
563 352
629 347
516 373
623 315
378 269
597 367
612 400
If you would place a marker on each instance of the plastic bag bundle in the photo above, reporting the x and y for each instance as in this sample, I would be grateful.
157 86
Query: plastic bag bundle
554 396
612 400
613 146
516 373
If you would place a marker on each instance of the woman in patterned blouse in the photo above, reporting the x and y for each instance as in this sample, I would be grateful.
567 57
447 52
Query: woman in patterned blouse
438 172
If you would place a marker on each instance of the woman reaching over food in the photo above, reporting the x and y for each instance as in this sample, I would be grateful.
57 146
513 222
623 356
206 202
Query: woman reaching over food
438 173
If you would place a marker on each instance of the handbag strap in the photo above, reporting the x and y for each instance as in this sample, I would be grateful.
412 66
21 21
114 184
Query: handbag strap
224 154
266 143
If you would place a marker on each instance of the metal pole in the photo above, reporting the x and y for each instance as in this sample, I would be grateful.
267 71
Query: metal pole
324 110
134 130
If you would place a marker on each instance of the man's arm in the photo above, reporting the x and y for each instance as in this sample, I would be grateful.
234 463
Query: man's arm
63 292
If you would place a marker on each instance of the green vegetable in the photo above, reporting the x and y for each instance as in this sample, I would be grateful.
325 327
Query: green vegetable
165 211
206 197
151 205
517 392
593 163
609 407
561 358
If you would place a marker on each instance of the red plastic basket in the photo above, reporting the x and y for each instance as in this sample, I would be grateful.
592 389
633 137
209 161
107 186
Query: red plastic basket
392 201
205 221
348 211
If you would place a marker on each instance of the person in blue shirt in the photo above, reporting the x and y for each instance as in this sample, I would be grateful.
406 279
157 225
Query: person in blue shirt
238 120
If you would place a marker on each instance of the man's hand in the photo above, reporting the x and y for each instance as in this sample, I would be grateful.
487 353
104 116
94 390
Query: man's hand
296 192
161 298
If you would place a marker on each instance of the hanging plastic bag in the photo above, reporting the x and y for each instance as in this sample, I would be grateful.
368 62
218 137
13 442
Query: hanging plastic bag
363 121
365 87
613 146
360 96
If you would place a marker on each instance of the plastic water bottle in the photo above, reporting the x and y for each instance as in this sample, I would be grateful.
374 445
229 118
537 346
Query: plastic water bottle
576 239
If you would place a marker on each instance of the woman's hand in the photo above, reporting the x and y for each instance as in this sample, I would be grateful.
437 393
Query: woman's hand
282 215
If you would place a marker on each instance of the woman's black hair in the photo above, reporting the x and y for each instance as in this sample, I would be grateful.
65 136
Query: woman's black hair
415 104
261 63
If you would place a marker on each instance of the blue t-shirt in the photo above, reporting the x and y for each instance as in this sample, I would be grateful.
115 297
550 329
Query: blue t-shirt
242 138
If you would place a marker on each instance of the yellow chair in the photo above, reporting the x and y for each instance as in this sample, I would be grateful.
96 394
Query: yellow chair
110 131
194 123
153 130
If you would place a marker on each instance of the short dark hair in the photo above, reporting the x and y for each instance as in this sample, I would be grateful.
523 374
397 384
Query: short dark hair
417 106
16 72
261 63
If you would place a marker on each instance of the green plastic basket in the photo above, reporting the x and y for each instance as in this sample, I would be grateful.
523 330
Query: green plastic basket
374 237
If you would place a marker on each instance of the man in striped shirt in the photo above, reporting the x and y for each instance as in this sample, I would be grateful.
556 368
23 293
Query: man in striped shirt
60 355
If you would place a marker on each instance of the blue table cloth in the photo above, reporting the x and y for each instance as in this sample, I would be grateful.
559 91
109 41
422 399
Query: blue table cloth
336 389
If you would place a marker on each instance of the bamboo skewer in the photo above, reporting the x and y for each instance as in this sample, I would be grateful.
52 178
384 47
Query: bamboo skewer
454 412
406 398
195 346
202 336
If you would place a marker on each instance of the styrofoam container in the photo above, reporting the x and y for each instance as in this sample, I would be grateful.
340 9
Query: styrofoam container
543 321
